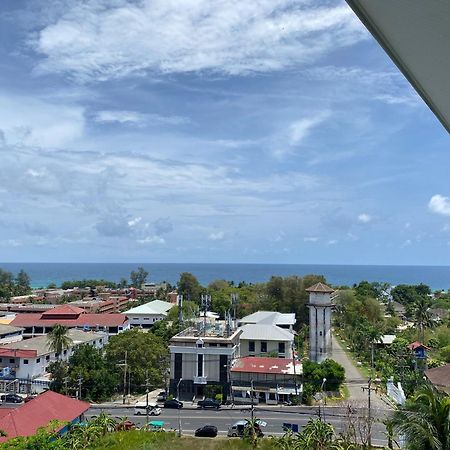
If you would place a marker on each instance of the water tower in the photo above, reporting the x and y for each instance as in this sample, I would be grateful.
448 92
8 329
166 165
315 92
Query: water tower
320 305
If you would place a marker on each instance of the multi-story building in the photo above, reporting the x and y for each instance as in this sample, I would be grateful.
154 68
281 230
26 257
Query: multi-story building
281 320
146 315
201 356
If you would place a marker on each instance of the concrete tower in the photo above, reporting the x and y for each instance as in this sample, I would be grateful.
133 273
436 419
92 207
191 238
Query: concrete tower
320 322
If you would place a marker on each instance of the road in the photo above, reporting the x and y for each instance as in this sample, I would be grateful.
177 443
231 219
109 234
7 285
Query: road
191 419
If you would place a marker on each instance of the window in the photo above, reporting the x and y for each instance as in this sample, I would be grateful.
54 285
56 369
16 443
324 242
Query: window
251 346
38 360
178 365
65 351
25 361
223 345
200 366
213 344
281 347
320 333
223 369
263 347
47 358
11 360
320 350
1 359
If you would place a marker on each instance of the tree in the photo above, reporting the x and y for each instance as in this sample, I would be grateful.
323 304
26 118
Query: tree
138 277
189 287
424 421
22 283
6 284
58 339
422 315
123 283
146 356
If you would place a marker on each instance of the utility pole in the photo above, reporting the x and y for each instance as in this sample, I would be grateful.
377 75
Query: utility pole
146 395
65 381
295 370
180 308
125 366
129 384
324 380
80 380
206 303
234 302
369 390
179 414
252 411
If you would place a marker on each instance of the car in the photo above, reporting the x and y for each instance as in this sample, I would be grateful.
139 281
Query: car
174 404
206 431
238 429
208 403
141 409
162 396
11 398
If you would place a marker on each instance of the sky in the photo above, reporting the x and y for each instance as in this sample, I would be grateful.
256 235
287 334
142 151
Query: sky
271 131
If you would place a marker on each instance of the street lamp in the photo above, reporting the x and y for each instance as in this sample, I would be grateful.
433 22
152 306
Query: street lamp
321 397
178 399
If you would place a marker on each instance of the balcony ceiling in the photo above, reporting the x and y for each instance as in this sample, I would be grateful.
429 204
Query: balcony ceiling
416 35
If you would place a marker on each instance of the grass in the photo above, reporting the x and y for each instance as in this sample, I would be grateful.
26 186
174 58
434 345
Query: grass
143 440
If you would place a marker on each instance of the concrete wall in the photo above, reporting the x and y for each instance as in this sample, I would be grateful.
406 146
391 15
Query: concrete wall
272 347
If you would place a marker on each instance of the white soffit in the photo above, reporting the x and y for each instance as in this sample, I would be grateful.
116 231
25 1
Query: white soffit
416 35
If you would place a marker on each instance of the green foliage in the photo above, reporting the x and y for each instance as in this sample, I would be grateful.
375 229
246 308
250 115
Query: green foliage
189 287
10 286
87 283
138 277
314 373
146 354
58 339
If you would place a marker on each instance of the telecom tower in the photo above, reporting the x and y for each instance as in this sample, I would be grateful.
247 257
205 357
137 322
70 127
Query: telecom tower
320 306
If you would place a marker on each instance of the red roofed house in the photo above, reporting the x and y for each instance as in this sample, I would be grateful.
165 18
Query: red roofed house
26 419
439 377
274 379
72 317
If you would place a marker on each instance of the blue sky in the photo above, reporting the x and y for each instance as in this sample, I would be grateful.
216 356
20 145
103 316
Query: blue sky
156 130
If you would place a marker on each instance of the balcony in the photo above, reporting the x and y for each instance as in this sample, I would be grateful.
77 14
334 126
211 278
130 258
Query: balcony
200 380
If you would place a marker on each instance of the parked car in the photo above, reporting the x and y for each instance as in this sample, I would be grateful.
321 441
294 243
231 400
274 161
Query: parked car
162 396
141 409
206 431
238 429
11 398
28 398
208 403
174 404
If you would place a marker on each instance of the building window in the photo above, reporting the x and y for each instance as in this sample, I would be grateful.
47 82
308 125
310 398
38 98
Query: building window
251 346
200 366
223 369
65 352
320 350
38 360
281 347
11 360
1 359
178 366
25 361
213 344
320 333
263 347
47 358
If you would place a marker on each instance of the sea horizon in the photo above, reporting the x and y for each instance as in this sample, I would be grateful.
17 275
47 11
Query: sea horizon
42 274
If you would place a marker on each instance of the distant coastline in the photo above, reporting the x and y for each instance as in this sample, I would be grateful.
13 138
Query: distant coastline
42 274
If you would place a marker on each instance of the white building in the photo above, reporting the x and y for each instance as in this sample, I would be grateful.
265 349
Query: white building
266 340
29 358
146 315
282 320
9 334
320 305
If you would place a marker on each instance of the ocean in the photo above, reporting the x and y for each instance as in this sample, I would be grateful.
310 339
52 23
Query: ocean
42 274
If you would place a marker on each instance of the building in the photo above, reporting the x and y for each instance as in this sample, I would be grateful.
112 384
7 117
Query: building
320 305
282 320
146 315
439 377
111 304
271 380
39 412
266 340
10 334
200 357
37 324
28 359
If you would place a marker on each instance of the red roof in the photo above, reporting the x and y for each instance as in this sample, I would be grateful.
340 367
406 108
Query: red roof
26 419
86 319
254 364
63 310
417 344
17 353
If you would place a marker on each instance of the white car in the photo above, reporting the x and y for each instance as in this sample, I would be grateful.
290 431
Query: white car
141 409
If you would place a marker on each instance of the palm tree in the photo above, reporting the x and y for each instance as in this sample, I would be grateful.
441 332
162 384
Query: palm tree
104 422
422 315
58 339
424 422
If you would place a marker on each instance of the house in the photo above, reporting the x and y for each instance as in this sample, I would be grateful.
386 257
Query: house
385 341
266 340
146 315
201 356
9 334
111 304
282 320
39 412
28 359
419 349
38 324
270 380
439 377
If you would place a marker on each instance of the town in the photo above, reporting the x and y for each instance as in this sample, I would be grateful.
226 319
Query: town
274 356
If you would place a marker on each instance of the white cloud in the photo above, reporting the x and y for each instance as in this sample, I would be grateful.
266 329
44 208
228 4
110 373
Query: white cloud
407 243
136 118
135 221
364 218
440 205
98 40
216 236
310 239
152 240
332 242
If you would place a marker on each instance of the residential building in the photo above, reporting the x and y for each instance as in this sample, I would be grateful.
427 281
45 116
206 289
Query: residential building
111 304
28 359
9 334
201 356
146 315
71 317
320 306
266 340
281 320
268 380
439 377
28 417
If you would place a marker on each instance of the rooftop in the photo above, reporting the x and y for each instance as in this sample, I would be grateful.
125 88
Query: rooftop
270 317
439 376
259 331
38 346
7 329
27 418
253 364
153 307
218 331
321 288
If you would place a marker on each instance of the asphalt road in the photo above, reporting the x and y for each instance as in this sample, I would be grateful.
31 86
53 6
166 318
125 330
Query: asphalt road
191 419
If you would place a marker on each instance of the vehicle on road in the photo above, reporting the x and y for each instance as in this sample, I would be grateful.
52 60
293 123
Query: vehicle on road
208 403
141 409
11 398
174 404
240 427
125 425
162 396
156 425
206 431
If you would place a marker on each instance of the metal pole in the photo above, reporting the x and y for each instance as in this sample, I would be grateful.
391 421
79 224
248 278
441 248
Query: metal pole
369 414
125 378
321 400
79 387
295 371
179 413
146 396
252 407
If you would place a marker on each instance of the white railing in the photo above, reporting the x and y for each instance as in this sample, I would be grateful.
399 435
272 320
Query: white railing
200 380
